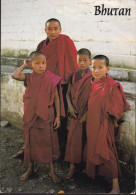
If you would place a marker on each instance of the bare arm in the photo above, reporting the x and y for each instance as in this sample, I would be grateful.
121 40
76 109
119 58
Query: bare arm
57 107
71 108
17 74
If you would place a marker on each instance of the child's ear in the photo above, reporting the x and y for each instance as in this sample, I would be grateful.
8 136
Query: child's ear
108 68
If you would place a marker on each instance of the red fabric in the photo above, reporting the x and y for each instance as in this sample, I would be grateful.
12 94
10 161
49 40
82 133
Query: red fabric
39 116
107 101
41 141
61 56
80 92
74 142
39 95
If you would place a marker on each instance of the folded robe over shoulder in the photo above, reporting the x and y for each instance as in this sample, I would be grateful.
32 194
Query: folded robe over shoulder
106 103
39 116
80 92
61 56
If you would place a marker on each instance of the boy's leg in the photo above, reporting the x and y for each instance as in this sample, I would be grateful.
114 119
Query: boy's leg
52 174
115 187
27 174
71 171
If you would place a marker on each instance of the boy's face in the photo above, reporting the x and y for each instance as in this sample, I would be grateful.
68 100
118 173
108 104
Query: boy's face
83 62
99 68
39 64
53 30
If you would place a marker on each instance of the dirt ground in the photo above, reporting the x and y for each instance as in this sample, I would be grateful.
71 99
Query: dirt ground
12 168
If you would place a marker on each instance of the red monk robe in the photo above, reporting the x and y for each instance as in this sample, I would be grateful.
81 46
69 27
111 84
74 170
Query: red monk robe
60 55
80 92
41 141
107 102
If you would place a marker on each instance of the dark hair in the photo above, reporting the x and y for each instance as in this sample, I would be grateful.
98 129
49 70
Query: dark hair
52 20
35 54
102 57
84 51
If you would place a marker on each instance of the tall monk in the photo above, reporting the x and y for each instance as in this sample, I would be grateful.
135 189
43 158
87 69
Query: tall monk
59 50
60 53
41 114
77 97
106 106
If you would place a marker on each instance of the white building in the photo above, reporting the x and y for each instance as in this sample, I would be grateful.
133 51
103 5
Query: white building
23 24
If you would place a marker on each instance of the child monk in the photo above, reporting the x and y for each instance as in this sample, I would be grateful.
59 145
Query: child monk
59 50
77 97
41 114
106 105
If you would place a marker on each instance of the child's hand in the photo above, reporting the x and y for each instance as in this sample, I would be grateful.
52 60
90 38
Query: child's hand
27 63
115 123
56 124
73 111
83 118
122 116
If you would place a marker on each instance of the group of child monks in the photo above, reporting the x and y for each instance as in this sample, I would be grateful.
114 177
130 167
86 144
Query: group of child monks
62 85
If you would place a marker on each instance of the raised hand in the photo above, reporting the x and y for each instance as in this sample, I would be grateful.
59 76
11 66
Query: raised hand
27 63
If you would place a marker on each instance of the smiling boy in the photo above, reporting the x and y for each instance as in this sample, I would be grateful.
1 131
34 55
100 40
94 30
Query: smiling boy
106 105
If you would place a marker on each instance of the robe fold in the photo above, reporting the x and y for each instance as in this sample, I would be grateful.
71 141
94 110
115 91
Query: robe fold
107 102
80 92
41 140
60 55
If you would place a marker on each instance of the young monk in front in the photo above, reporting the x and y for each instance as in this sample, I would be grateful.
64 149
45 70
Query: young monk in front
41 114
77 97
106 105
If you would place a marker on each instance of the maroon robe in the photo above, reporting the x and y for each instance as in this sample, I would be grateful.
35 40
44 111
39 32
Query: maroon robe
106 103
80 92
41 140
60 55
